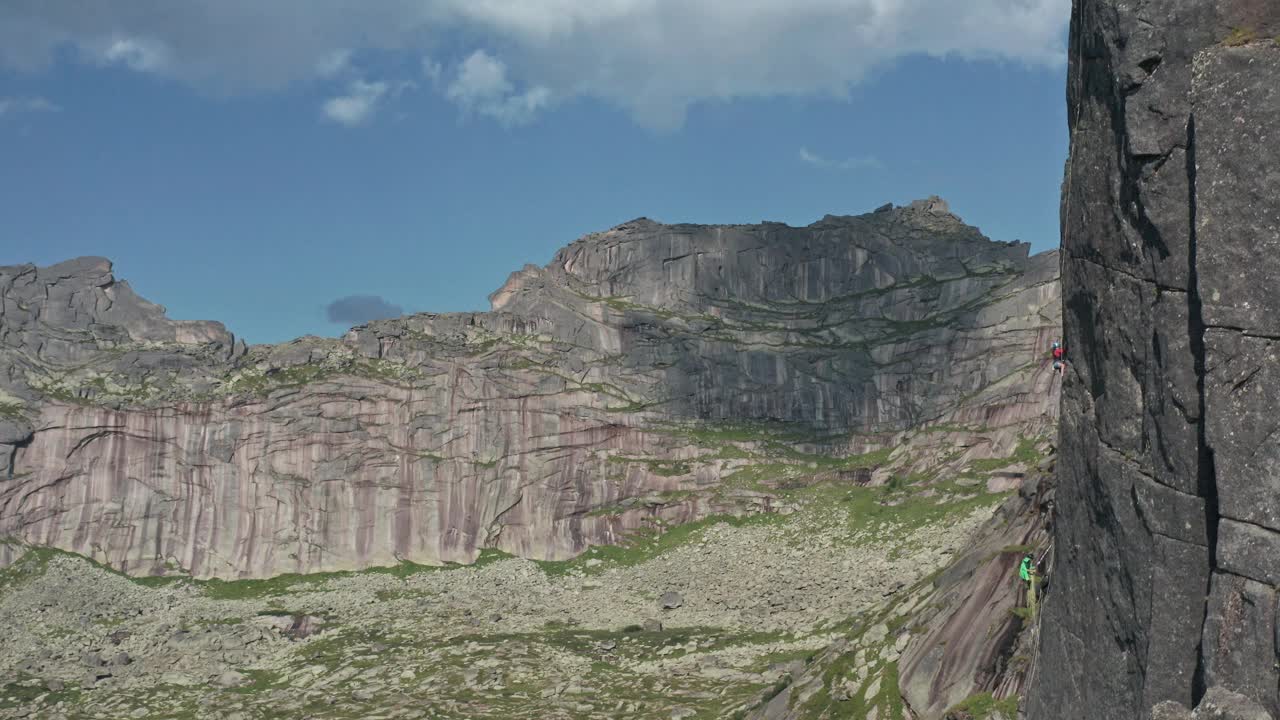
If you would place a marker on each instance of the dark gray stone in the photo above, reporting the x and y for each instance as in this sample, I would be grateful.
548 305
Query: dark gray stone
670 600
1179 579
1169 710
1249 550
1220 703
1166 511
776 708
1242 377
14 430
1239 639
1237 102
1171 226
1171 397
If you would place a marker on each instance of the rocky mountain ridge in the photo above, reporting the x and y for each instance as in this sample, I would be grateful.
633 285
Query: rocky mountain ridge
612 389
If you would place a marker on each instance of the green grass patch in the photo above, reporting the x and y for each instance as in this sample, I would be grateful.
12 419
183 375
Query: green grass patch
715 434
954 427
645 544
887 514
1025 453
857 705
259 680
293 582
670 497
1240 36
665 468
253 381
26 689
30 564
981 706
764 662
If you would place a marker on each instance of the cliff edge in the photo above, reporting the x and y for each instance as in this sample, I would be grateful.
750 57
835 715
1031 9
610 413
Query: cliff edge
1168 531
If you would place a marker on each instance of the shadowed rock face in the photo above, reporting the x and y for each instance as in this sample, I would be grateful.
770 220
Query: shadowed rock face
1167 485
574 412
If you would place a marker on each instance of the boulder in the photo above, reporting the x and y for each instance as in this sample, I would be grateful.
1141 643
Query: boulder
1220 703
231 679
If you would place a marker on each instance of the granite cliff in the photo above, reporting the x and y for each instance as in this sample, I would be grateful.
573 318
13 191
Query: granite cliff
1168 530
649 374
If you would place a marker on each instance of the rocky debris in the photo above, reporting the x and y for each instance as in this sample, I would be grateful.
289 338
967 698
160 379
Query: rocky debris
303 626
1170 710
670 600
1167 495
1218 704
580 641
603 393
951 638
230 679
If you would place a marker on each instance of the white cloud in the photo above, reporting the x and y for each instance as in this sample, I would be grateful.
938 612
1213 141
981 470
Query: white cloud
481 86
136 53
334 63
359 104
13 106
481 77
432 70
868 162
362 101
653 58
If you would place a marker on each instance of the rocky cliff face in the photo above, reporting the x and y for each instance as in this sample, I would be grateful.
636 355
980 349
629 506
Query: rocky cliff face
649 374
1169 524
957 645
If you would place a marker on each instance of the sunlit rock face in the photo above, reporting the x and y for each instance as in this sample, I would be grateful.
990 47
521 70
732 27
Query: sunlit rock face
1168 504
616 387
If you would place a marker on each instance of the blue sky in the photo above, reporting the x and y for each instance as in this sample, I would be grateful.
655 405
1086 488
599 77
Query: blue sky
235 172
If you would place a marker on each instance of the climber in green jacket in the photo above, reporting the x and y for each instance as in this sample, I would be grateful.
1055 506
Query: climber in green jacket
1027 571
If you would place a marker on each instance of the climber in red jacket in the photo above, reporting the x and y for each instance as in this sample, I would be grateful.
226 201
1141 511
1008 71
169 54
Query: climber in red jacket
1059 358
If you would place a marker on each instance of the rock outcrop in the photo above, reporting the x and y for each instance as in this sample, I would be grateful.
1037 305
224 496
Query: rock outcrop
618 386
1169 524
976 634
961 634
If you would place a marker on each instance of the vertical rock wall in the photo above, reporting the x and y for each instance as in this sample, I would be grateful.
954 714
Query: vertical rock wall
1168 537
